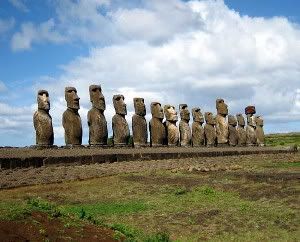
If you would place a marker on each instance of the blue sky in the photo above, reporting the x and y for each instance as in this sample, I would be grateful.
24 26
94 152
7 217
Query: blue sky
174 51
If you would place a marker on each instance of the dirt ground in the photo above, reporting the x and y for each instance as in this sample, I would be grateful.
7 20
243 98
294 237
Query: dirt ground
57 174
40 227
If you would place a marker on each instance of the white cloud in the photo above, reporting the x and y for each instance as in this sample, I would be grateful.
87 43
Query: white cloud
188 52
6 25
31 33
20 5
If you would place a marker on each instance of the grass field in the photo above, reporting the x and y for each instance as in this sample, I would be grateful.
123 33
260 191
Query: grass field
254 200
288 139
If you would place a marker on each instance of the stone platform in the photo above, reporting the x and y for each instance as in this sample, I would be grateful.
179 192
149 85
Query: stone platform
11 158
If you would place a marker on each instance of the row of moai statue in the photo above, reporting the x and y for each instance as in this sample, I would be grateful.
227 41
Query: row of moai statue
217 131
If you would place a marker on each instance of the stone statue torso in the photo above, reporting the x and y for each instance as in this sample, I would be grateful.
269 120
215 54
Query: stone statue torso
139 130
260 135
157 132
98 133
251 135
242 136
233 136
121 131
210 135
43 126
185 133
197 134
73 127
172 133
221 129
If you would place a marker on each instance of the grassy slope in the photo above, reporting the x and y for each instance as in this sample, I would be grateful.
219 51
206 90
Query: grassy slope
250 204
283 139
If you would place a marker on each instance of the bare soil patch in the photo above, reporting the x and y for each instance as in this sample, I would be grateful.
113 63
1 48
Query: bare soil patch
39 227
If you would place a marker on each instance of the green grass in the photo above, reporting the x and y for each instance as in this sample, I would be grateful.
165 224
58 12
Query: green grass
289 139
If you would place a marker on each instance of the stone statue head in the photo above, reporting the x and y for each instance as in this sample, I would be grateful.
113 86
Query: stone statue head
250 110
197 115
96 97
184 112
259 121
139 106
119 104
232 120
156 110
43 100
209 118
170 112
240 119
221 107
72 98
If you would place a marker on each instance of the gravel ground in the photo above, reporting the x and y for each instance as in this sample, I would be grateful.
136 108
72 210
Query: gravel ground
56 174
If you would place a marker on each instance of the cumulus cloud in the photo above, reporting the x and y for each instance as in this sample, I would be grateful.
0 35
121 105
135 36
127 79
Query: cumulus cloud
20 5
182 52
31 33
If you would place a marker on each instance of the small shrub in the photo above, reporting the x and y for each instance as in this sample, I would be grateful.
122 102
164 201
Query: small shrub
159 237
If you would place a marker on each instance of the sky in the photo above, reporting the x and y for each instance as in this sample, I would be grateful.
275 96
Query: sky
172 51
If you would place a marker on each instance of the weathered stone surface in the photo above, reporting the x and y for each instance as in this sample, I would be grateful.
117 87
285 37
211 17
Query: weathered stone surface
71 120
198 138
260 131
42 120
172 129
221 124
157 128
139 124
251 126
184 127
210 130
98 133
242 136
250 110
121 133
233 134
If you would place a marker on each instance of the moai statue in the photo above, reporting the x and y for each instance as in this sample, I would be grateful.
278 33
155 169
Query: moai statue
197 129
221 124
71 120
251 126
233 133
42 120
121 133
260 131
184 127
171 128
96 120
139 124
156 127
242 136
210 130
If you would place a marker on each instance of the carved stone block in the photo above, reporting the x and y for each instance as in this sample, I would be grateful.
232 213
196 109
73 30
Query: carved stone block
157 128
121 133
71 120
172 129
139 124
42 120
210 130
98 133
221 123
184 127
198 138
